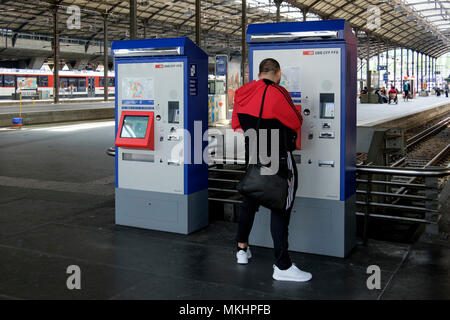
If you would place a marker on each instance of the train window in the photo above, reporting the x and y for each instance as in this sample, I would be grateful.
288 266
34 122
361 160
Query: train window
73 83
82 84
63 83
111 82
9 80
1 80
42 81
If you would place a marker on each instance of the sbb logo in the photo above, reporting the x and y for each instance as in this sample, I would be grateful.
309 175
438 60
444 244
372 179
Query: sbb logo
308 53
159 66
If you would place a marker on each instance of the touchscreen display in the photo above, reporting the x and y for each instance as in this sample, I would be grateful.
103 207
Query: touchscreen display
134 127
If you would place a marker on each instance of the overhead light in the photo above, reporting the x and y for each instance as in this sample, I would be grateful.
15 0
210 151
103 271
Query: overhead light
188 13
398 9
410 17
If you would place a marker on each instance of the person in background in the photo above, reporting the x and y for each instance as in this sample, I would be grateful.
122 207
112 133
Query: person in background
437 90
393 95
364 91
406 91
279 113
446 90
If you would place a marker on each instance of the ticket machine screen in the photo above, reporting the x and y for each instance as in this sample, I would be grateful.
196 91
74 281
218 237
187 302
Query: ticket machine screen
134 127
136 130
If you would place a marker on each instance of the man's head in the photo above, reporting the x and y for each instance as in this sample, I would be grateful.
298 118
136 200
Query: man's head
270 69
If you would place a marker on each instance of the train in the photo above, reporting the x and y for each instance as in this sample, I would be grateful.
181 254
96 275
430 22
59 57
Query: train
39 84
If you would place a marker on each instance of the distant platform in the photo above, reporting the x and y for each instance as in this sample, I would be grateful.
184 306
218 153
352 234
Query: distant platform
400 115
63 112
10 102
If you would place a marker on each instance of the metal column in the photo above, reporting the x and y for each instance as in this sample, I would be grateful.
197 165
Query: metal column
417 71
387 67
197 22
429 71
368 80
278 5
378 66
133 20
361 71
426 71
145 29
243 44
401 68
55 55
407 62
395 67
421 71
105 57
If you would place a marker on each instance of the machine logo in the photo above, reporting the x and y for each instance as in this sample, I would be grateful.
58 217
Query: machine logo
159 66
193 70
308 53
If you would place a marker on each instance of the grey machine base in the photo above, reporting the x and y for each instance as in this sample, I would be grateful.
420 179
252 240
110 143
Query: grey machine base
317 226
162 211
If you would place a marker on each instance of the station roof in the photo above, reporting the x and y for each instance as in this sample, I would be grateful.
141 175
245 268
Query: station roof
403 23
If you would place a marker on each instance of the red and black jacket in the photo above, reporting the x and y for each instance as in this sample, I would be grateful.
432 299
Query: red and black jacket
279 111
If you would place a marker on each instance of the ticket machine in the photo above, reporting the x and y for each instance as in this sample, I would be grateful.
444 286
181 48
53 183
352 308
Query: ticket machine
318 61
161 115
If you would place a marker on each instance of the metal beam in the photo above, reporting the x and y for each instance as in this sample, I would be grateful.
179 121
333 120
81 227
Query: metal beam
55 55
198 15
133 19
105 57
278 5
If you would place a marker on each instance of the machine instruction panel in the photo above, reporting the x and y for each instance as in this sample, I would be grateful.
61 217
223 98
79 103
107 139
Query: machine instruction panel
139 92
312 77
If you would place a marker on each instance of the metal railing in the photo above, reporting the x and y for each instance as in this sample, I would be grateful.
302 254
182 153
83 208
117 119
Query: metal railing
424 208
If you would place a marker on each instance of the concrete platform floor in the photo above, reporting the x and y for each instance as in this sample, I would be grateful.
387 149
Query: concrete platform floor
47 106
57 209
374 114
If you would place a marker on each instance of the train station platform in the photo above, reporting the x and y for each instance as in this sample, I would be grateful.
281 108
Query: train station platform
400 115
48 112
9 102
59 211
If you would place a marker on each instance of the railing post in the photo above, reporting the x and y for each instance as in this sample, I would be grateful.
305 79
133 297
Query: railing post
366 216
431 203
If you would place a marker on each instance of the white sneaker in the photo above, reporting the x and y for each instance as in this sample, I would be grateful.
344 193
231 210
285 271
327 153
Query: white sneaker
243 256
291 274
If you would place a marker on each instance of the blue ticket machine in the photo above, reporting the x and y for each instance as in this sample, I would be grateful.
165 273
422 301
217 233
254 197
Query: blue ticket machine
161 116
318 61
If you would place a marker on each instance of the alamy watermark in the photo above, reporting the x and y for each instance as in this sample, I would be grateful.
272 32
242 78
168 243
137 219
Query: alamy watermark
74 19
374 18
189 148
74 280
374 280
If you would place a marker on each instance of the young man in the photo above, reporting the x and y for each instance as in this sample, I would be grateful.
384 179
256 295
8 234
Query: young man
279 113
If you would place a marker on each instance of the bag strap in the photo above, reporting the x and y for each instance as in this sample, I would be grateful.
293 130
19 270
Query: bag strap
259 123
261 109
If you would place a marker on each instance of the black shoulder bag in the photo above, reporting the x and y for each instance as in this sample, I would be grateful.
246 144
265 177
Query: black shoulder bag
270 191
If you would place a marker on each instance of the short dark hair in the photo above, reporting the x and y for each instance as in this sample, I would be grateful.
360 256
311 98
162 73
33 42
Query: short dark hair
269 65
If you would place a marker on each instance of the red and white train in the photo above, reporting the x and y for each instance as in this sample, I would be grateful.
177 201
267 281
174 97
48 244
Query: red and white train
71 83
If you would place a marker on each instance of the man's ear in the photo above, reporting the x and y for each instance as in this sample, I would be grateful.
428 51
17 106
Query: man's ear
279 74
